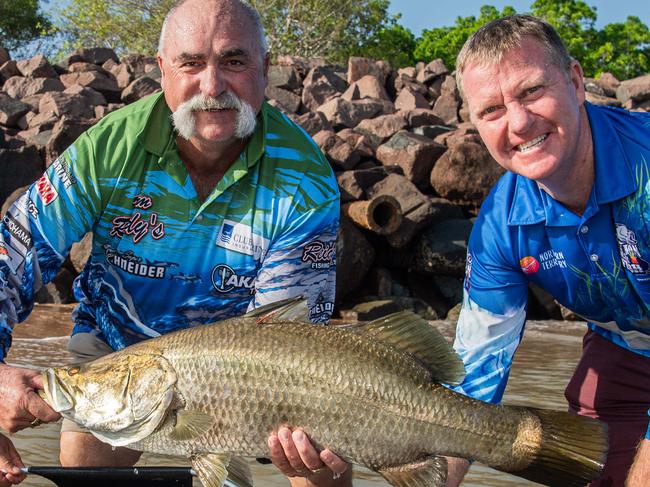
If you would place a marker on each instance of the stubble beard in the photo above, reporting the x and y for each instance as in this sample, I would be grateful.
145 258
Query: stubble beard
184 118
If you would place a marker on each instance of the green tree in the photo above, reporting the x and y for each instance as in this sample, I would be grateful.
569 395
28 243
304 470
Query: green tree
393 43
446 42
124 25
20 22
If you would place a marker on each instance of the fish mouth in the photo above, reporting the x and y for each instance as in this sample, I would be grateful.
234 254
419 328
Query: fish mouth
54 392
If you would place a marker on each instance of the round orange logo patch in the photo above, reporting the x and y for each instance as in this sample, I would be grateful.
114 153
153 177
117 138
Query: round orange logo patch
529 265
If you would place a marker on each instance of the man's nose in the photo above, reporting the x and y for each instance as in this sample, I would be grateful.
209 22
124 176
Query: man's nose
519 118
212 82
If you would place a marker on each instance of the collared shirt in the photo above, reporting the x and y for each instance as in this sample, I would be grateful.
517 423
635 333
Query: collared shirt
162 259
597 264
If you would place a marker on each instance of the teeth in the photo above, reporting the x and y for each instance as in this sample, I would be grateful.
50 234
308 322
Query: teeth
529 145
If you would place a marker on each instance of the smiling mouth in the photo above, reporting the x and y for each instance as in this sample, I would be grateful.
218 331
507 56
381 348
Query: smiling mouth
531 144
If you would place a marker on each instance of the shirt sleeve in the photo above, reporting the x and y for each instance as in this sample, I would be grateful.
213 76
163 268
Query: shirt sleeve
302 260
37 232
493 313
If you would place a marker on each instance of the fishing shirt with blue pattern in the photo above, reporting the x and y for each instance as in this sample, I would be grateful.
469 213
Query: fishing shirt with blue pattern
597 264
161 259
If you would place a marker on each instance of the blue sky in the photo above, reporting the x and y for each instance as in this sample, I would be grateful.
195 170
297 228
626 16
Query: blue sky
425 14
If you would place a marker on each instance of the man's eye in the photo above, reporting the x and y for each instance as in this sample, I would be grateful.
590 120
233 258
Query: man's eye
532 90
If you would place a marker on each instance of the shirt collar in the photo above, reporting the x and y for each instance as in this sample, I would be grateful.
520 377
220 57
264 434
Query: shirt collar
531 205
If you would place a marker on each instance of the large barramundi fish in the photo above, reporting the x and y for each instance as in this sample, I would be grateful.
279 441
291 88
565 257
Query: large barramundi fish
369 392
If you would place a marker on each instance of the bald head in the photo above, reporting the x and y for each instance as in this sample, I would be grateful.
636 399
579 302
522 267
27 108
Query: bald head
234 12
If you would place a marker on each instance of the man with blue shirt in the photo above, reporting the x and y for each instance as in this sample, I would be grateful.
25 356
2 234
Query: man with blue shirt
204 202
571 215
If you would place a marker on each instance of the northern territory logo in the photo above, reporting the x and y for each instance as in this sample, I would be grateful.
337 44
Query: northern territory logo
529 264
225 279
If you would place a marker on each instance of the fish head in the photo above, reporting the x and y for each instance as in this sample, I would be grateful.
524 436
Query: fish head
120 398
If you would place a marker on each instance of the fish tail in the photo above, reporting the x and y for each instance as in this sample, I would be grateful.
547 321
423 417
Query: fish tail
569 450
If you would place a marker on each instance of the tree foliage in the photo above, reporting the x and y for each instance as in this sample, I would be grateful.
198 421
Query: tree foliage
621 48
20 22
124 25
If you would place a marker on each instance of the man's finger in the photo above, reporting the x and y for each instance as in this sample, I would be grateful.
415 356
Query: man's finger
333 462
40 409
291 452
278 457
308 454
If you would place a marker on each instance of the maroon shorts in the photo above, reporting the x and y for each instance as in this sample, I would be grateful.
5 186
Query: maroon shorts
612 384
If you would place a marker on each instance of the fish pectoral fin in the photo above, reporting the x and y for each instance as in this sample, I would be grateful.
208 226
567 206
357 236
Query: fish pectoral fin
429 472
214 468
211 468
190 424
240 472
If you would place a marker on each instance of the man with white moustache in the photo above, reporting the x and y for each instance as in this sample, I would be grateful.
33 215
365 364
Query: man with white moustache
204 202
571 215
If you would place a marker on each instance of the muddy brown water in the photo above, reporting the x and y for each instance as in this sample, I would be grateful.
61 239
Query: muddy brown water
541 369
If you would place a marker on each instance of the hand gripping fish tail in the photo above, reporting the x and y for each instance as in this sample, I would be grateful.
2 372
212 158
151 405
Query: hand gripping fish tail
214 393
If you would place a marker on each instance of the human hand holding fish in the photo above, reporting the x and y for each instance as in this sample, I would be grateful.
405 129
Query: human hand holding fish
20 405
294 455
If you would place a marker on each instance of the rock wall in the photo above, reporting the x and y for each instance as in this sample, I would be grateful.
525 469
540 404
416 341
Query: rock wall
411 168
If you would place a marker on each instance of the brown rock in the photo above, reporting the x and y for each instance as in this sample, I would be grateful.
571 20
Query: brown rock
287 100
66 104
43 121
99 81
36 67
101 110
122 75
343 113
410 100
285 77
4 55
409 72
415 154
602 100
11 110
361 143
19 168
384 126
441 249
64 133
33 100
435 69
92 97
9 69
354 258
336 150
137 63
58 291
19 87
140 88
94 55
446 107
80 67
636 90
367 87
422 116
80 251
321 84
313 122
609 83
465 173
358 67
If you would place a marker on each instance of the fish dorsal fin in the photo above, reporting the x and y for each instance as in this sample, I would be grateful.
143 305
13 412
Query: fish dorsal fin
430 472
292 309
213 469
190 424
413 334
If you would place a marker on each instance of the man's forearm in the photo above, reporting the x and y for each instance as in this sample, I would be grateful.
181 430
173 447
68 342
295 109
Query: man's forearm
640 471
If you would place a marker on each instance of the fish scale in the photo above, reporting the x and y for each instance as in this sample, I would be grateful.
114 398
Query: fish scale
366 392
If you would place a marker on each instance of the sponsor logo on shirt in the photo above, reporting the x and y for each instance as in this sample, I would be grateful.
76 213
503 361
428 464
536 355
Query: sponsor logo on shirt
629 251
240 238
225 279
63 172
45 190
322 310
319 254
132 264
552 258
31 208
137 227
142 202
18 231
529 264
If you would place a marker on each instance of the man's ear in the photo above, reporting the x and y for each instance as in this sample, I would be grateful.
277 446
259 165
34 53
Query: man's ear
577 79
162 70
267 62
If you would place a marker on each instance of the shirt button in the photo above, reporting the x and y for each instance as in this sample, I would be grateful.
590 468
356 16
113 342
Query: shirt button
199 218
584 229
593 257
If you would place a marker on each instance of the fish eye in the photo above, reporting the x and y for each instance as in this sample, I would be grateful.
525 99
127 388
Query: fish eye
73 370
